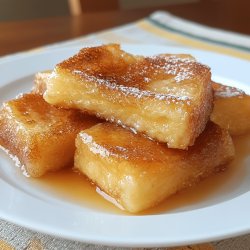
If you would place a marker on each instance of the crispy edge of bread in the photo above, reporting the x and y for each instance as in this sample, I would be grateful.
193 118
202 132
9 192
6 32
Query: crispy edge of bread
38 136
231 109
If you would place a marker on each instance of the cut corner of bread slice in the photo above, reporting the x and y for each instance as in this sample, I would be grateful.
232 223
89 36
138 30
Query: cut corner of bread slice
40 82
231 109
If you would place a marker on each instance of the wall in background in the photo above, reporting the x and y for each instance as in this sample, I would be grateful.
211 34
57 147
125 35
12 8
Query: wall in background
139 4
29 9
104 5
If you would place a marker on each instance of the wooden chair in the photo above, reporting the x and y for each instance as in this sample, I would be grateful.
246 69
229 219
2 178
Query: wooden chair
77 7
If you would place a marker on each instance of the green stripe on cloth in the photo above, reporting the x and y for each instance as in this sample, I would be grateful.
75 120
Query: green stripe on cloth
188 41
205 39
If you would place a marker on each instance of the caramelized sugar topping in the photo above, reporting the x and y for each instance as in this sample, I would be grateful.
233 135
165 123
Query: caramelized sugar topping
226 91
110 66
32 111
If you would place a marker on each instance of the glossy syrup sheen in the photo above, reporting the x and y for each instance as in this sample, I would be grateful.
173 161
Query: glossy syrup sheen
75 188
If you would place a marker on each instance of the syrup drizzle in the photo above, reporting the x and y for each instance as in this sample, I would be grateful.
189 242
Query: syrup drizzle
74 187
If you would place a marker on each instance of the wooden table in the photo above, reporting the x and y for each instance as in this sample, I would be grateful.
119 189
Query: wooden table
22 35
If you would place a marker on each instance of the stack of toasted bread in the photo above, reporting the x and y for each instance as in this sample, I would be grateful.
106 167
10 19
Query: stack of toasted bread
140 128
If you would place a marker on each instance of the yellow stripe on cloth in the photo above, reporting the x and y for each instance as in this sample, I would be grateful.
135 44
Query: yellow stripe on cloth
194 247
5 246
145 25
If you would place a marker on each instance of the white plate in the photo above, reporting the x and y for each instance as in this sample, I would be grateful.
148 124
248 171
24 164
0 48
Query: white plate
224 214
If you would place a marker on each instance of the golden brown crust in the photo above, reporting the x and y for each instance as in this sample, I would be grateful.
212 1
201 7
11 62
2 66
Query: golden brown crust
109 65
30 128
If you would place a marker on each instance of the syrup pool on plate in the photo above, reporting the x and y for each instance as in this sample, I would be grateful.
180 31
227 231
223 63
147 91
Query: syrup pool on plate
74 188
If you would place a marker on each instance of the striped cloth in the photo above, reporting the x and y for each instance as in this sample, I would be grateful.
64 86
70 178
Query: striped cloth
160 28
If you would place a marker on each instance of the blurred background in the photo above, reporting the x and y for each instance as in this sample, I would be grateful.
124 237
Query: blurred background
31 9
26 24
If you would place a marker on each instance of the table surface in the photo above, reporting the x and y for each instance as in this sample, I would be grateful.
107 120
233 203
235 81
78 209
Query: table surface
23 35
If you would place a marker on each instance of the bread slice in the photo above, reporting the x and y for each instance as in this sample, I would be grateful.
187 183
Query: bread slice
231 105
41 136
169 98
139 173
231 109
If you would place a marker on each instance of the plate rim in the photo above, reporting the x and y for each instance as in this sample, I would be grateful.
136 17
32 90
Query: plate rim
140 240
